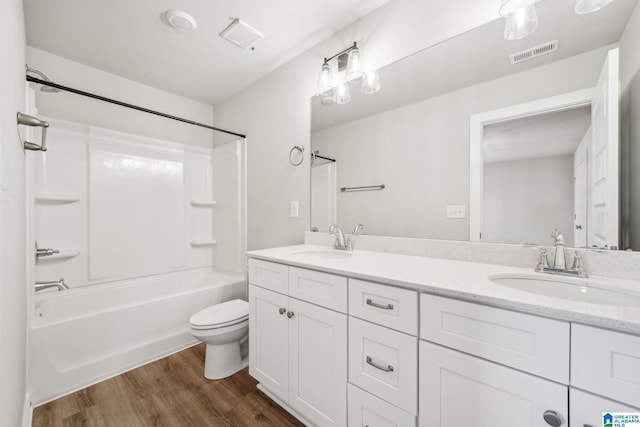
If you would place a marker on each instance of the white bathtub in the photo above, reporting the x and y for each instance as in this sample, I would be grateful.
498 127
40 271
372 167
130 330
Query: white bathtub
82 336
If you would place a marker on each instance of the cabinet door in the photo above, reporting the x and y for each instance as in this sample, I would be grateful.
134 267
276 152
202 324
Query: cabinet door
587 409
461 390
268 340
318 363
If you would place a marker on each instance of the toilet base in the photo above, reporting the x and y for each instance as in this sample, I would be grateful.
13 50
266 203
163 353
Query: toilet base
222 360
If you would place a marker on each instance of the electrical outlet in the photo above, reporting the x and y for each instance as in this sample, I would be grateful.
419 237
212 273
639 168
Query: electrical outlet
455 212
294 208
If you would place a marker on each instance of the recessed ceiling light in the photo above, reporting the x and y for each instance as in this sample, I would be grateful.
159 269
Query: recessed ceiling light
181 21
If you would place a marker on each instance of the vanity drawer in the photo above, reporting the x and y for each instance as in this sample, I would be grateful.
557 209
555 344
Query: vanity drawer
606 363
385 363
587 409
323 289
269 275
367 410
529 343
392 307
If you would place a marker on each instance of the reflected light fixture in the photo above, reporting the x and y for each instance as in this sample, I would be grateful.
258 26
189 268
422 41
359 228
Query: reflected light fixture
333 85
521 17
587 6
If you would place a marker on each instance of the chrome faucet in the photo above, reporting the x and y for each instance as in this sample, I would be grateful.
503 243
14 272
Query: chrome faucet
58 284
342 242
358 228
560 263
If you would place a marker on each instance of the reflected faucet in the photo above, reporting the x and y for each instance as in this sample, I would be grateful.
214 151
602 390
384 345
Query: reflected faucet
58 284
560 263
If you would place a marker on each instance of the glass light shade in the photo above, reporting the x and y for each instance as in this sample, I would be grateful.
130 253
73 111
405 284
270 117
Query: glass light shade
587 6
355 67
325 81
521 23
370 83
327 101
342 94
509 7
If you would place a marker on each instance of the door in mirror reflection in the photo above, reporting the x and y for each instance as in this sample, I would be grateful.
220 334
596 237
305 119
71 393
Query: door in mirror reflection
323 194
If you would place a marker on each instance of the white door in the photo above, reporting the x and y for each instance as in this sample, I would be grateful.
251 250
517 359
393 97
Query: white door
580 191
268 340
318 363
461 390
603 231
587 409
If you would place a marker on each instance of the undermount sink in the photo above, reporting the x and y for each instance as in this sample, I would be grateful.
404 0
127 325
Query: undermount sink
321 254
575 290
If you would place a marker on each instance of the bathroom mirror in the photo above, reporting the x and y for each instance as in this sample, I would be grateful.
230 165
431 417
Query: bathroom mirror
414 138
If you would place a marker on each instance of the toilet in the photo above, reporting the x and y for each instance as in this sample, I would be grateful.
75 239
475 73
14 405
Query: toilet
223 327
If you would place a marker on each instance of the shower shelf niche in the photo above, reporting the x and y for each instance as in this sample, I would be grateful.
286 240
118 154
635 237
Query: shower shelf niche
63 254
200 203
56 199
196 243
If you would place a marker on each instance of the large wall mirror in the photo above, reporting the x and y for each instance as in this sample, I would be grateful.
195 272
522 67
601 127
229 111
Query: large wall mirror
479 138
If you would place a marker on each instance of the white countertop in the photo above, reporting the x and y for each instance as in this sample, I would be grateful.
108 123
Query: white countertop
465 280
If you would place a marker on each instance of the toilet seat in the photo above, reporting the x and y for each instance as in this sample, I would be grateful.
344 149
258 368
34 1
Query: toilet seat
221 315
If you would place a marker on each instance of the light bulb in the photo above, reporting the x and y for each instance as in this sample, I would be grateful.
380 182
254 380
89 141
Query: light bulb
521 23
342 94
371 82
325 80
355 67
587 6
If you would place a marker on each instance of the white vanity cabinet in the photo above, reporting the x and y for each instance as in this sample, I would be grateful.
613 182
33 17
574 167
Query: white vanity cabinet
298 350
473 381
586 409
383 355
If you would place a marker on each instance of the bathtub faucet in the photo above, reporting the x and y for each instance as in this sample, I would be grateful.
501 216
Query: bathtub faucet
59 284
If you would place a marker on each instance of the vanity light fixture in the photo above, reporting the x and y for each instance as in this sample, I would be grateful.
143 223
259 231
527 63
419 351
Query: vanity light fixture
334 87
587 6
521 16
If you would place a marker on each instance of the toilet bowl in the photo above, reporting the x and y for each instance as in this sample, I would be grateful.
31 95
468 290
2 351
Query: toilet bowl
223 327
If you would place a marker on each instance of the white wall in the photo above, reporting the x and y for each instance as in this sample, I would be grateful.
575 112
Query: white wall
275 112
525 200
421 151
79 109
630 133
13 318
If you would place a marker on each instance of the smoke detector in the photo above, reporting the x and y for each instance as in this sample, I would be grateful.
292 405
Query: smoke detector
534 52
241 34
181 21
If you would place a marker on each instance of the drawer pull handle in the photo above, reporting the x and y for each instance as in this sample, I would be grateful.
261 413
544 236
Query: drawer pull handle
382 306
552 418
282 310
387 368
290 314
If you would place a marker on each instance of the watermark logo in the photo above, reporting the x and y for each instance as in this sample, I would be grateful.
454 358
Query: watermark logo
621 419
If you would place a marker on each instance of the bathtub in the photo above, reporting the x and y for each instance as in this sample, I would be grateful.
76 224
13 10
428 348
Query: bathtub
81 336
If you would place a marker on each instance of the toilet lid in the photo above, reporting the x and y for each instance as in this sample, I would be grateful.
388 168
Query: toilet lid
223 314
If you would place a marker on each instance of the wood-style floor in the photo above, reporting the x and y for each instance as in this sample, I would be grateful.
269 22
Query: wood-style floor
169 392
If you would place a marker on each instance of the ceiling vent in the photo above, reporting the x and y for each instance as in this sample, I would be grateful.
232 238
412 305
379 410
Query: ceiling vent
241 34
534 52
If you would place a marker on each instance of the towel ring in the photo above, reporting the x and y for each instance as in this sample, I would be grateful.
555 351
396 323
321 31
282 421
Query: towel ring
299 148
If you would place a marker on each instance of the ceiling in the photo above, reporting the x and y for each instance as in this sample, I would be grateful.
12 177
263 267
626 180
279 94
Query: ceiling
133 40
477 56
543 135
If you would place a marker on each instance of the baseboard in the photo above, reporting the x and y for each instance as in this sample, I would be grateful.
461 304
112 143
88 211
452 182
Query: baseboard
284 405
27 411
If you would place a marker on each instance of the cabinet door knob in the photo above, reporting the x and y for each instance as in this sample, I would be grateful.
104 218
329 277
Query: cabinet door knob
282 310
290 314
552 418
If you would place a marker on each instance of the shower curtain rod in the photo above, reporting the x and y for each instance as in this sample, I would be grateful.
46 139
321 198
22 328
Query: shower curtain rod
124 104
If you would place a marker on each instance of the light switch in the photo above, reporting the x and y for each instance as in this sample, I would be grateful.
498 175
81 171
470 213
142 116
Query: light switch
455 212
293 209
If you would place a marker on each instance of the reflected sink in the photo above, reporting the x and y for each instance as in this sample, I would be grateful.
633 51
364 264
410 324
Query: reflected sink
575 290
321 254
